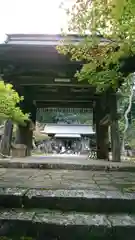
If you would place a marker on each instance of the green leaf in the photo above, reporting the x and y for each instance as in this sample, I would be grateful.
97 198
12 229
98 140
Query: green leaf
115 21
9 99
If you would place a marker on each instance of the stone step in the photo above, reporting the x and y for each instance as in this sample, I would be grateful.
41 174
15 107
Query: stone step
51 162
58 225
68 200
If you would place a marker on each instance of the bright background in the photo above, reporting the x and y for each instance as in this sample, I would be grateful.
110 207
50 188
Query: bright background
31 16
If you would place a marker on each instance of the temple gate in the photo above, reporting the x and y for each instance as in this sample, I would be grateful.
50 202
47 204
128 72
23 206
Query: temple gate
46 80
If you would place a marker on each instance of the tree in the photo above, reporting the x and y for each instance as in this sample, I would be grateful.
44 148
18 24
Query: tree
9 111
64 117
9 99
110 19
125 106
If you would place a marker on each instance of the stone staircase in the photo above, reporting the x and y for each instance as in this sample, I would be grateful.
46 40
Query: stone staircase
66 214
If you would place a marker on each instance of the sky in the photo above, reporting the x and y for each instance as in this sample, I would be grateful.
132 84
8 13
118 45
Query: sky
31 16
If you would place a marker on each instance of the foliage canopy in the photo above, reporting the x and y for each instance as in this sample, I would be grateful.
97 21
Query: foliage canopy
9 99
110 29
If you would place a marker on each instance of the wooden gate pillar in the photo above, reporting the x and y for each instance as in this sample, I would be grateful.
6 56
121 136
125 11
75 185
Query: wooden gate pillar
102 137
115 138
102 142
24 134
7 138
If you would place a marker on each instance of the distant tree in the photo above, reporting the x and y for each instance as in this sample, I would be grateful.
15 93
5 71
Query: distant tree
125 106
65 117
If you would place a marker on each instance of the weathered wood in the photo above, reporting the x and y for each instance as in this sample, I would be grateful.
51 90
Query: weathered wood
94 116
102 142
7 138
105 120
115 138
102 137
24 136
47 78
63 96
63 104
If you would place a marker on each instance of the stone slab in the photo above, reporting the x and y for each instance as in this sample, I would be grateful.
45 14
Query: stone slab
81 200
20 215
13 191
67 179
68 200
123 225
68 225
12 197
70 163
16 185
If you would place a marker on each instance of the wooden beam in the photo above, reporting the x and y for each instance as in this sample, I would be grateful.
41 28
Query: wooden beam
60 104
26 54
52 69
24 136
61 89
101 129
115 138
46 81
61 97
57 93
7 138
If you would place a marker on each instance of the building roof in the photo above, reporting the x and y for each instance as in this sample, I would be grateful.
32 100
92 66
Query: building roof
63 135
47 39
68 129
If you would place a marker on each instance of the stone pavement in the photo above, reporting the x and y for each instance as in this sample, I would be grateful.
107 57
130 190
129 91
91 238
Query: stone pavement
67 162
67 204
67 179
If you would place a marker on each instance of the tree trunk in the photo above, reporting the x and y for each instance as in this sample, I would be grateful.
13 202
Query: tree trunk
7 138
131 94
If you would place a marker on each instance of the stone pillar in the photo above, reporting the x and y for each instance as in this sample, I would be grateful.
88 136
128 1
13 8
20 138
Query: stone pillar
24 134
7 138
115 138
102 136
